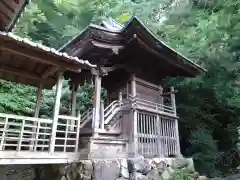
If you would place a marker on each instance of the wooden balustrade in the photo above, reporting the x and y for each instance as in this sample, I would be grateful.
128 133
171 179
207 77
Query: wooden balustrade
156 135
16 133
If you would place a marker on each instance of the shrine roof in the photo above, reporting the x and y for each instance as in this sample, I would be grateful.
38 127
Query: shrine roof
26 62
133 41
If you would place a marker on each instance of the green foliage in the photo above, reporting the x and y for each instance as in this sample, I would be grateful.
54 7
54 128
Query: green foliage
182 175
16 98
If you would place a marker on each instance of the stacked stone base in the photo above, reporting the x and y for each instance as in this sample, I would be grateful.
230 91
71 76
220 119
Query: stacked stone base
129 169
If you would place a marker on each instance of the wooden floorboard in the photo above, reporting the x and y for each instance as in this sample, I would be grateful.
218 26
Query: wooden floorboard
13 157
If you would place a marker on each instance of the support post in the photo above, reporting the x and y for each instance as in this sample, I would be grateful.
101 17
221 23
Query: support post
102 115
36 114
38 100
135 133
173 101
96 103
133 86
160 145
74 99
56 111
73 106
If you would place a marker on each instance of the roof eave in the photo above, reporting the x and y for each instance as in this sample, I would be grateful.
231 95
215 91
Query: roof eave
12 24
190 62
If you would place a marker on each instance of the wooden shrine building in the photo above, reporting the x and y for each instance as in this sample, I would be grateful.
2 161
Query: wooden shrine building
132 64
138 117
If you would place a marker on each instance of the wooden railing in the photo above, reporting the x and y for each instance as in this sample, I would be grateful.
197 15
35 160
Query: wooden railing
67 134
20 133
86 117
24 133
156 135
111 110
147 105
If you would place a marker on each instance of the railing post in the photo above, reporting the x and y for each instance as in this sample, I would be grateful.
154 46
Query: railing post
78 132
102 115
173 101
120 98
56 111
3 134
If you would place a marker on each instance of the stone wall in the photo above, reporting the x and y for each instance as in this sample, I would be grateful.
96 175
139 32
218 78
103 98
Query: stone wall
17 172
119 169
128 169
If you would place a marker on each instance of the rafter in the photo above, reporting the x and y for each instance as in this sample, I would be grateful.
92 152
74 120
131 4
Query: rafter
41 57
50 71
20 72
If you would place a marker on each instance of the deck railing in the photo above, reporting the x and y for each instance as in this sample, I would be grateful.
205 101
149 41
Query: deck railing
156 135
153 106
24 133
20 133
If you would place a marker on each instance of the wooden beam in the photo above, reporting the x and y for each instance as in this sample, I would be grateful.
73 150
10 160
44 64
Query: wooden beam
146 83
42 57
27 157
114 48
169 93
20 72
50 71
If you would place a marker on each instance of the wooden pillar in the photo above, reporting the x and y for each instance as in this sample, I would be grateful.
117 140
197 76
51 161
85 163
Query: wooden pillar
173 101
160 145
56 111
74 100
38 100
135 133
102 115
96 103
36 115
73 106
134 117
133 86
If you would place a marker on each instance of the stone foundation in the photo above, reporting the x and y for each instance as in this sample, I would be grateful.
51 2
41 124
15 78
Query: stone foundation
119 169
128 169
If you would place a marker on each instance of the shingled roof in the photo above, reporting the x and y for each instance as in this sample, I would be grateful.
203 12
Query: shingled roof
136 43
26 62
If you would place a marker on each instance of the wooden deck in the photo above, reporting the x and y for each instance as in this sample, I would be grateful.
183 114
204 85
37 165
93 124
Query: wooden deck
28 140
28 157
